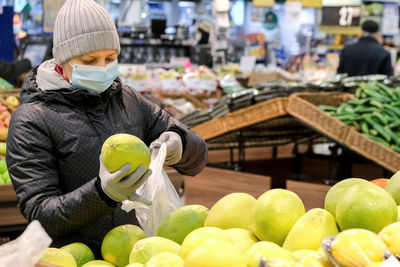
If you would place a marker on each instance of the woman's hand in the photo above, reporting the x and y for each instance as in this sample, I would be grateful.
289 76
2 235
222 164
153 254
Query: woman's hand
119 187
174 146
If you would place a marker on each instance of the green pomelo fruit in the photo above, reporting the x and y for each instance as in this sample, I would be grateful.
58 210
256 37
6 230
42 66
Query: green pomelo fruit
165 259
275 212
309 231
58 257
199 236
365 206
393 187
81 253
273 254
118 243
231 211
98 263
336 192
179 223
213 253
242 238
121 149
147 248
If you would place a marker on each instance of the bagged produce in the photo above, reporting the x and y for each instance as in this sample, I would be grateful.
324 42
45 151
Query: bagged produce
159 189
27 249
358 247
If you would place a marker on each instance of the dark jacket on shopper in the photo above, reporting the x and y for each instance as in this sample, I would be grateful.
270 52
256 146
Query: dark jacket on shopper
365 57
12 70
53 149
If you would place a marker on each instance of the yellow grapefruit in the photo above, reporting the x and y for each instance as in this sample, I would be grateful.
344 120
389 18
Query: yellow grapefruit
231 211
121 149
275 212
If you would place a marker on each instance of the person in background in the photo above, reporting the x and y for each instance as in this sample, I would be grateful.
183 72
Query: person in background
366 56
20 36
69 106
203 34
14 70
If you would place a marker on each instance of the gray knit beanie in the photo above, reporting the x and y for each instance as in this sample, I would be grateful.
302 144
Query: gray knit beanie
82 26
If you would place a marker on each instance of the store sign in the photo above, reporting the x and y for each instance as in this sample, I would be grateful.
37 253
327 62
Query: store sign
390 19
265 3
270 21
338 3
341 16
312 3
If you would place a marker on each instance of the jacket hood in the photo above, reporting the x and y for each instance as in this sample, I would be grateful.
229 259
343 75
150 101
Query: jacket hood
44 83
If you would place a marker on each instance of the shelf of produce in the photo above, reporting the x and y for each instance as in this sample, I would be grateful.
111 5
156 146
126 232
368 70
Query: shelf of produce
212 184
242 118
304 107
312 194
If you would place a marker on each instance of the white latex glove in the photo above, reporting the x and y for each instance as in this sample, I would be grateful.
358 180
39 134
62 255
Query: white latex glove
174 146
120 187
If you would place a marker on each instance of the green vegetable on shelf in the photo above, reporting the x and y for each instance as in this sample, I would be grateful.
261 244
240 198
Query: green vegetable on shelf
374 112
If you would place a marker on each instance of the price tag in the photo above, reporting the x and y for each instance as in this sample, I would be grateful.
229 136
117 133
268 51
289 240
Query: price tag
247 63
138 85
170 84
192 83
208 85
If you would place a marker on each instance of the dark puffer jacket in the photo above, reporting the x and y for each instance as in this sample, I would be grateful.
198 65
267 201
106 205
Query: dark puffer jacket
53 149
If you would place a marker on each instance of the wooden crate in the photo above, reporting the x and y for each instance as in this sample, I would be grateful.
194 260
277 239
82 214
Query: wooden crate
368 148
313 195
212 184
244 117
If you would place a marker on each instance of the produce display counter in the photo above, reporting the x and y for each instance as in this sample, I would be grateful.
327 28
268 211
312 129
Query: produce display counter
304 107
242 118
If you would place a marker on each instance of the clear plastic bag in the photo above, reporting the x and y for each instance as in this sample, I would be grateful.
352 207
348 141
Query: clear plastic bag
27 249
159 189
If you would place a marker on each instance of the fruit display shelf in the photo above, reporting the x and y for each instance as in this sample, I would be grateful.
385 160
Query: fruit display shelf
242 118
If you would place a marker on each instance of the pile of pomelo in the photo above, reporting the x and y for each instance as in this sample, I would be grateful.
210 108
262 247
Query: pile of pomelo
240 231
359 219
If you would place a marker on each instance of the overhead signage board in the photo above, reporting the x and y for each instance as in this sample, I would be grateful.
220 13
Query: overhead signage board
264 3
341 16
341 2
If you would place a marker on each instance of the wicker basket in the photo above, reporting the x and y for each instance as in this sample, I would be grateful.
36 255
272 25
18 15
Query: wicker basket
304 106
242 118
374 151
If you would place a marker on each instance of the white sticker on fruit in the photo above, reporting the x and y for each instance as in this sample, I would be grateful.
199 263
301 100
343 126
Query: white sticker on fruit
391 262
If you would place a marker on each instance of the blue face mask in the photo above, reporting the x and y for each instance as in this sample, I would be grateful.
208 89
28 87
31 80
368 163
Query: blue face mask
95 79
16 29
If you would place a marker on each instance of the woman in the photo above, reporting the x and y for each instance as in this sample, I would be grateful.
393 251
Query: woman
70 106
